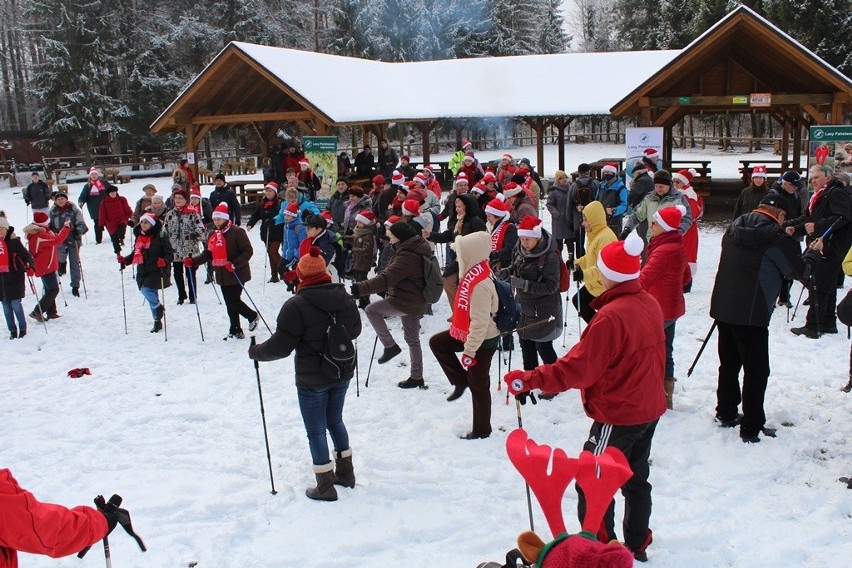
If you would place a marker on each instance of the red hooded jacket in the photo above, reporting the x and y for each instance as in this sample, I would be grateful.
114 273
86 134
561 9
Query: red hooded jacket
42 245
114 212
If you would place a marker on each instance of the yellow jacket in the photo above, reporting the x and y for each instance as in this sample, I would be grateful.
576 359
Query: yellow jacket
847 263
597 238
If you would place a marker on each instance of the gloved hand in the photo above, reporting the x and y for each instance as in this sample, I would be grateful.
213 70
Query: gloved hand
187 262
120 259
517 381
624 234
518 283
467 361
130 223
522 398
30 271
578 274
290 276
812 258
229 267
502 274
353 290
161 263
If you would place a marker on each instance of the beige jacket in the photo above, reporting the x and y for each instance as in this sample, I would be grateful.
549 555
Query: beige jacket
471 250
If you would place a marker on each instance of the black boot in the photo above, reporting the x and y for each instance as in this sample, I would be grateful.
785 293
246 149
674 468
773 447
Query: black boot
410 383
75 291
13 334
389 353
37 315
457 392
344 473
158 325
324 491
62 267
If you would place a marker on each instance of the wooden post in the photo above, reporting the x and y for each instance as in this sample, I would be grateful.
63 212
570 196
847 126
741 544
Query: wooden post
191 146
785 145
797 141
425 129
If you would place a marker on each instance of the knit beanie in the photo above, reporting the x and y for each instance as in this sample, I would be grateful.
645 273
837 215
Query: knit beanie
662 177
403 231
41 219
311 264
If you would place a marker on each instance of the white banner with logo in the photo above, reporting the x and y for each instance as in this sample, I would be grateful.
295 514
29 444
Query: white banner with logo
637 140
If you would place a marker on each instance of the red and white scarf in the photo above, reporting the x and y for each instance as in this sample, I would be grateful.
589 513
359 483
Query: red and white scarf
218 247
817 194
139 248
4 256
460 326
96 187
499 233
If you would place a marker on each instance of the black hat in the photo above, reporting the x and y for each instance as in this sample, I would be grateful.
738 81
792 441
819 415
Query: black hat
584 167
342 179
639 165
519 178
772 200
59 194
317 221
662 177
112 188
220 176
525 161
35 173
793 177
403 231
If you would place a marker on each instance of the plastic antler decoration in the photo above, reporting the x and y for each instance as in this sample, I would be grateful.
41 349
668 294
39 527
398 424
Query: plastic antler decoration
598 476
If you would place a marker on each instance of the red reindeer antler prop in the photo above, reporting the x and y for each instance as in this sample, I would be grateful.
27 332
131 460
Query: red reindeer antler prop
600 477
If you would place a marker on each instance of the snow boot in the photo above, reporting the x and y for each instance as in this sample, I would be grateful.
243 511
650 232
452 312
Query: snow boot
13 334
669 385
344 473
411 383
809 332
158 325
37 315
324 491
62 267
389 353
75 291
458 391
641 555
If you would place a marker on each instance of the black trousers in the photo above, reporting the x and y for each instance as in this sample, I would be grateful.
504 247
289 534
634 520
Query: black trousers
743 347
583 298
99 231
117 238
236 307
635 443
179 271
821 312
530 351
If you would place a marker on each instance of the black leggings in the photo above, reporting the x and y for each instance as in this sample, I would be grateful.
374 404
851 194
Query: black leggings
180 271
586 311
236 307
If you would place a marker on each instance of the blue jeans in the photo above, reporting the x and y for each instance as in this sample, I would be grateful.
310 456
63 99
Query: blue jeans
669 330
14 309
322 409
151 294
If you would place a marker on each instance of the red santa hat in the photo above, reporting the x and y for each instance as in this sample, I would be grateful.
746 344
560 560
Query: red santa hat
530 227
465 144
221 211
94 170
498 206
41 219
489 177
419 178
150 217
272 185
405 157
327 216
397 178
427 170
304 162
469 157
650 153
758 171
411 207
610 167
195 191
391 220
685 176
669 217
508 156
292 209
479 188
365 216
462 177
619 261
511 189
418 194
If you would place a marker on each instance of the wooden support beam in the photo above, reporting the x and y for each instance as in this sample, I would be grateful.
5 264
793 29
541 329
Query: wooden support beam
669 116
306 128
537 124
425 128
727 100
250 117
797 143
818 117
200 133
191 148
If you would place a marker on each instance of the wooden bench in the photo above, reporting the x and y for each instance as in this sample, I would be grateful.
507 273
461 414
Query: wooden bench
10 177
246 194
701 182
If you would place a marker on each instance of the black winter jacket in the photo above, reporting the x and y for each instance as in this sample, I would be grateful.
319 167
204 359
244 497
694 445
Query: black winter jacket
269 231
227 194
756 255
539 296
301 327
148 274
12 284
472 223
833 207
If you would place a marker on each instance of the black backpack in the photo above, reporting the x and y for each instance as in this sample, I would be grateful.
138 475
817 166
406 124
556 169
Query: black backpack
338 357
508 312
433 279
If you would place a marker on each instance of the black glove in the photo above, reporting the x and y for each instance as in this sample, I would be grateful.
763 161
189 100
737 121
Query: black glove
624 234
519 283
811 258
353 289
110 510
522 397
578 274
570 263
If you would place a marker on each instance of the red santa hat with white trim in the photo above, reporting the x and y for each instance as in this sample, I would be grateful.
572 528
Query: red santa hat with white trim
758 171
391 220
221 211
304 162
511 189
478 188
685 176
411 207
397 178
498 206
610 167
619 261
650 153
292 209
419 178
668 218
465 144
41 219
462 177
508 156
489 177
530 227
365 216
149 217
272 185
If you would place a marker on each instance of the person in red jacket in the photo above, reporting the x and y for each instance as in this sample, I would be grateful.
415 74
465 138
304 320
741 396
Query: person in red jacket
28 525
114 214
665 275
43 243
620 388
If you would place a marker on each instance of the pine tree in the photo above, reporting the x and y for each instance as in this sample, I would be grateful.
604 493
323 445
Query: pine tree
554 39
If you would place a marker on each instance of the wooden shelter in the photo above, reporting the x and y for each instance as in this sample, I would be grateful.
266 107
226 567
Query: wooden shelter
743 64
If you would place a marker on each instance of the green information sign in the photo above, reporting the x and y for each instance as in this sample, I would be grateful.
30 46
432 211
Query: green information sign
321 152
831 133
684 100
831 147
739 100
320 144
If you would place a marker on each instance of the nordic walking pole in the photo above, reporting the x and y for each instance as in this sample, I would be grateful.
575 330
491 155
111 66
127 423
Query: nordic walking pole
700 351
579 317
38 303
263 418
370 368
521 425
240 282
215 291
357 376
565 322
265 258
62 290
190 277
791 318
163 303
82 275
123 301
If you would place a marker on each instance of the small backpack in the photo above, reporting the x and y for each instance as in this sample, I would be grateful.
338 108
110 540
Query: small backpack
508 312
564 275
433 280
584 194
338 357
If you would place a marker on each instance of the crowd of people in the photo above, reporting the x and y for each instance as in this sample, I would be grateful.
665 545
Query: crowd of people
632 249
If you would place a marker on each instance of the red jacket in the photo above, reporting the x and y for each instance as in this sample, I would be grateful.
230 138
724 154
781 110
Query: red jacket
27 525
42 245
114 212
434 186
619 362
666 273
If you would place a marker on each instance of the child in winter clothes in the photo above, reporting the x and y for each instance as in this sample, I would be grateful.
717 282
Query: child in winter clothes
664 276
43 243
305 207
152 254
14 261
363 243
294 234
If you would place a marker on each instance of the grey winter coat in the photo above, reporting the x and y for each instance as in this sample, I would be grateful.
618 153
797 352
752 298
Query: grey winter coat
78 224
536 285
653 202
557 205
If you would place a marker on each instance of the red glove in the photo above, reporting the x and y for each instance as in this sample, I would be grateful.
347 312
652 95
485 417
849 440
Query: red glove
161 263
30 271
187 262
517 381
229 267
467 361
290 276
120 259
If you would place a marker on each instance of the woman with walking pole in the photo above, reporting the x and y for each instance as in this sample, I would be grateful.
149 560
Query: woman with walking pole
152 255
184 228
14 261
302 327
43 243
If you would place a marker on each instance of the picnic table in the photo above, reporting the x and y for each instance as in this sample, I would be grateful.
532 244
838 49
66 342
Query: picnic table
247 194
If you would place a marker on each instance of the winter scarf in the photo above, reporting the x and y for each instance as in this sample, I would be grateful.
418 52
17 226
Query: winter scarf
142 243
313 280
4 256
218 247
814 198
499 233
188 210
460 326
96 187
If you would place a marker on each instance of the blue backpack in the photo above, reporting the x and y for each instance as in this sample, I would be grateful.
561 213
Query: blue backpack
508 312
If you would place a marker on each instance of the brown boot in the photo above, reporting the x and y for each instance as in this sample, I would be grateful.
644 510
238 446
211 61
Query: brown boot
669 385
324 491
344 474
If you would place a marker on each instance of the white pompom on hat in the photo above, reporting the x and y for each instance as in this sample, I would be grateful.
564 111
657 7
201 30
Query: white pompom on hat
619 261
668 218
397 178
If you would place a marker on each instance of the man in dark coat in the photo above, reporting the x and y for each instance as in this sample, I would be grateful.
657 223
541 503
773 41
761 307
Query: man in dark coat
756 256
581 193
338 201
37 194
557 206
387 159
364 163
225 193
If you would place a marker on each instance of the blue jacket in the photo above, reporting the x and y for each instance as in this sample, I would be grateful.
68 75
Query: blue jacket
613 195
294 234
304 205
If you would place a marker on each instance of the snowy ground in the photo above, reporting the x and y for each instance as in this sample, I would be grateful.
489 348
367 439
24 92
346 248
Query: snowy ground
175 428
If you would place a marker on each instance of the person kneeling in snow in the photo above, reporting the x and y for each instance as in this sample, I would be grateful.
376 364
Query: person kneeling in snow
621 388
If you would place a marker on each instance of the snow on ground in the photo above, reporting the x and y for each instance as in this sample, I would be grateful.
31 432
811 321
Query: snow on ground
175 428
